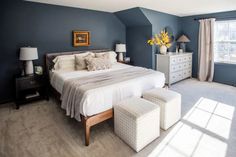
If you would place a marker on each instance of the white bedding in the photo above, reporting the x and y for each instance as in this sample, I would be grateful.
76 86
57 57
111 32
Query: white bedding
103 98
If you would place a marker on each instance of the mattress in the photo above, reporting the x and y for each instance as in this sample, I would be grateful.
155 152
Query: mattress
103 98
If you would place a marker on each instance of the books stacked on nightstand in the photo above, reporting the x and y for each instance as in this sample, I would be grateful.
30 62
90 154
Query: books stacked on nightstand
33 95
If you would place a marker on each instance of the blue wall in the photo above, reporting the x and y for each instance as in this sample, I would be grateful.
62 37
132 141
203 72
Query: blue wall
138 31
159 21
224 73
49 28
133 17
145 22
137 47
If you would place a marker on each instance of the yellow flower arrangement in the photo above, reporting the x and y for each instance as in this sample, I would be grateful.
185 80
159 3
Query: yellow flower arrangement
161 39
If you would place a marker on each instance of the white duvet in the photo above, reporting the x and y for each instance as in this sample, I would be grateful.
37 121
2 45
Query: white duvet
103 98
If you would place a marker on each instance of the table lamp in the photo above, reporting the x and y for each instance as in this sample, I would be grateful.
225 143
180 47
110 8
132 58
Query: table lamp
120 48
28 54
182 40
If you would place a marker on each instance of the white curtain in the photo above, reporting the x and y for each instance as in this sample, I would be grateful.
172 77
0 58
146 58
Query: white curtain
206 50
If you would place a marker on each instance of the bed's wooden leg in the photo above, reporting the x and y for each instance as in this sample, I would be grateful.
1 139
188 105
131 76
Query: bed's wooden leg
88 122
86 130
87 133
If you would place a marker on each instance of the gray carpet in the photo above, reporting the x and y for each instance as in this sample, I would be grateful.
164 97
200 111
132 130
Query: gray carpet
208 128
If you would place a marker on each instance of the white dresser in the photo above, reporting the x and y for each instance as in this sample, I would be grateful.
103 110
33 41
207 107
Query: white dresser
176 67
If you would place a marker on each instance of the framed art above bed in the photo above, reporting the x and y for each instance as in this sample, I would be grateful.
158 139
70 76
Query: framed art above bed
81 38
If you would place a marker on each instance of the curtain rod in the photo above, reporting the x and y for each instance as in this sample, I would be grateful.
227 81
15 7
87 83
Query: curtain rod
220 18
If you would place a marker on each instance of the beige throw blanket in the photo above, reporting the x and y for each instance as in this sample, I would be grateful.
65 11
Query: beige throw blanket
74 89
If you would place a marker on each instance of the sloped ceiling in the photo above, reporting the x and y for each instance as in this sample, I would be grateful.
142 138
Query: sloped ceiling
133 17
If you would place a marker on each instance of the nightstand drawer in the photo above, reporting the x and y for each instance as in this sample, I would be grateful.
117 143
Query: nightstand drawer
28 83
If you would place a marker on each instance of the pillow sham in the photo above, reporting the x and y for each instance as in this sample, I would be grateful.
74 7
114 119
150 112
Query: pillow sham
84 54
64 63
94 64
111 55
80 63
102 55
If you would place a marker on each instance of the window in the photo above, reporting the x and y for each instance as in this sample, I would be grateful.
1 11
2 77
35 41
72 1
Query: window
225 41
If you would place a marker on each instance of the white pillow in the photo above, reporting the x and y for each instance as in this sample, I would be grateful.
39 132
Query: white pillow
64 63
80 63
84 54
103 55
112 55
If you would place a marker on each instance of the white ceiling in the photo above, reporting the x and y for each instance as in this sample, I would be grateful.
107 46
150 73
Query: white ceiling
174 7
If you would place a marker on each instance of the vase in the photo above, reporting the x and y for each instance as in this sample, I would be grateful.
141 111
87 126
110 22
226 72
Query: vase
163 49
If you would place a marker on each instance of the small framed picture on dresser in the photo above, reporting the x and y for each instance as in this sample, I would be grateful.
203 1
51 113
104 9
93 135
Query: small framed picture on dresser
81 38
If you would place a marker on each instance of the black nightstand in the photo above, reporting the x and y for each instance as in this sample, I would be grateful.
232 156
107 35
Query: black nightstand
125 62
30 88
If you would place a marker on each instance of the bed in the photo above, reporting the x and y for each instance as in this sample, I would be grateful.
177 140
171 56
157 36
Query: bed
95 92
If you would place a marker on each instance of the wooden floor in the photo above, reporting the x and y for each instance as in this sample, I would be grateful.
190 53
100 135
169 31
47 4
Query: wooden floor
41 129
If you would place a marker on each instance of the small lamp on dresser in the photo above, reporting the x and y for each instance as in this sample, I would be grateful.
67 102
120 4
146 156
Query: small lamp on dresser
182 40
28 54
120 48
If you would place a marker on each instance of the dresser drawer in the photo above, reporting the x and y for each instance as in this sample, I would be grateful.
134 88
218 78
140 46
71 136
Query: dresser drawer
180 66
173 68
176 60
176 76
173 78
173 60
176 67
180 59
187 73
187 65
187 58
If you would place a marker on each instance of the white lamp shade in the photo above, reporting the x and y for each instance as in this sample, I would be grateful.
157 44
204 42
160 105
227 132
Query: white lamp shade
183 39
28 53
120 48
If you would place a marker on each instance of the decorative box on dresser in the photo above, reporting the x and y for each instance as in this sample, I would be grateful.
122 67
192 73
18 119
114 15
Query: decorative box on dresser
175 66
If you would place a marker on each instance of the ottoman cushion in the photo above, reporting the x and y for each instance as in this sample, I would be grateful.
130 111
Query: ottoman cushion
170 104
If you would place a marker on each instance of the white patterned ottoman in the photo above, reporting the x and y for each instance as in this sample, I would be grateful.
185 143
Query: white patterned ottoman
137 122
170 104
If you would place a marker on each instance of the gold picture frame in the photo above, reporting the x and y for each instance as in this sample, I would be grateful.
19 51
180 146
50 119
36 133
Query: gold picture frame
81 38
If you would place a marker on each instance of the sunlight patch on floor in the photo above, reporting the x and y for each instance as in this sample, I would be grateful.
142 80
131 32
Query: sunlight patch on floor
202 132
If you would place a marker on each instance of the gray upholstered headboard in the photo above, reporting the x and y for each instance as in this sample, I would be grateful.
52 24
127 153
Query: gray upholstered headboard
50 56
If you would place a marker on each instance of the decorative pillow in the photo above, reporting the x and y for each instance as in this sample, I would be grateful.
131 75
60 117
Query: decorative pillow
80 63
64 63
111 55
94 64
85 54
102 55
